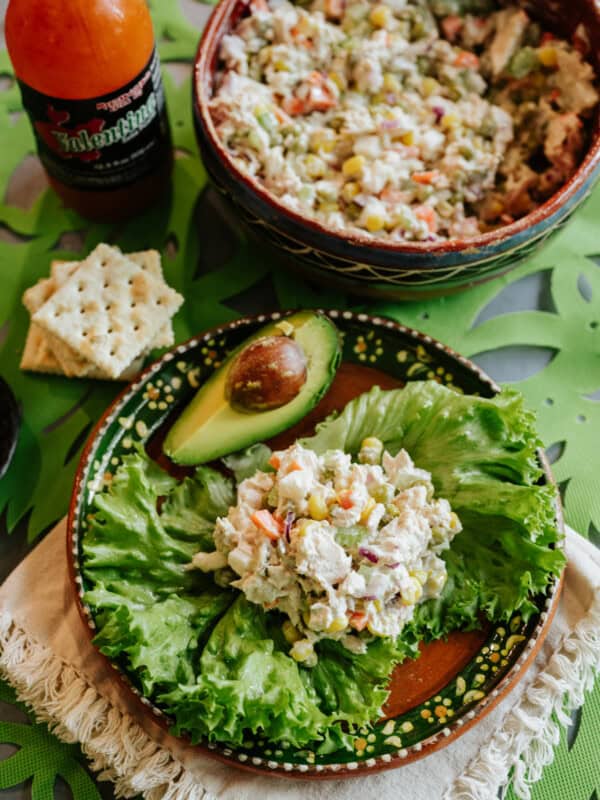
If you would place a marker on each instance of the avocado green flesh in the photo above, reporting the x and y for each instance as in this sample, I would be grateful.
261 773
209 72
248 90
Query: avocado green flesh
209 427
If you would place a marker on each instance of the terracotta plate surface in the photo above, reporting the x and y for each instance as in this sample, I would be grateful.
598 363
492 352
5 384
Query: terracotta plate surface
454 682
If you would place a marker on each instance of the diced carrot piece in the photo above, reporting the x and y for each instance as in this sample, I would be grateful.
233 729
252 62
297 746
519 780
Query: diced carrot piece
345 500
358 620
295 467
320 99
466 60
390 195
294 106
425 177
451 26
428 215
264 520
281 116
275 461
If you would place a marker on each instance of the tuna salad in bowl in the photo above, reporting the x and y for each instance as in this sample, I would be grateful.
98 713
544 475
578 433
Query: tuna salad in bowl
408 137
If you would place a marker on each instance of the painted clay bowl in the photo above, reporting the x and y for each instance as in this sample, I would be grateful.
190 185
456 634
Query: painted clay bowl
356 262
434 698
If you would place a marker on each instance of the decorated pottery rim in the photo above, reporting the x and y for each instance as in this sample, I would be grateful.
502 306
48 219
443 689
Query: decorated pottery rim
587 172
528 637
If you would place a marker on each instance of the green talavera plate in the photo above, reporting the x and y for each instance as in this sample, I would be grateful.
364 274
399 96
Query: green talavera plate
458 681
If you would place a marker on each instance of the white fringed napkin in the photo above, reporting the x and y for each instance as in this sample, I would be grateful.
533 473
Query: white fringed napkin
46 655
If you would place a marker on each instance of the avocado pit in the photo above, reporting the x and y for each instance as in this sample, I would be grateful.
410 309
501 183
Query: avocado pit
267 374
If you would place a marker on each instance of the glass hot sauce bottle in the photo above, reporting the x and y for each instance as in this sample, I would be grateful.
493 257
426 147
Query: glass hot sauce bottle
90 81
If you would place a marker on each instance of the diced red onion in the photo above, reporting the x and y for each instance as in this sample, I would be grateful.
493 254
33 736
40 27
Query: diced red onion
393 566
368 554
369 597
439 112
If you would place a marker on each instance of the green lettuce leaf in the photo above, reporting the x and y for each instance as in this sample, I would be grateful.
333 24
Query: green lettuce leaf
246 683
151 612
354 687
245 463
190 510
130 541
482 455
159 640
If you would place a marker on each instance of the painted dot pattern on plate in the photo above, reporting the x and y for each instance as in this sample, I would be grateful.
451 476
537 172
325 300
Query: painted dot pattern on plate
405 355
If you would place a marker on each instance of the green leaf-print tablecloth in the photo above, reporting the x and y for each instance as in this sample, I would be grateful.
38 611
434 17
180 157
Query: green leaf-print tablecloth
538 327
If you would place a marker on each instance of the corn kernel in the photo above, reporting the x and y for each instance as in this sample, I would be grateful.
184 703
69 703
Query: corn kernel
338 624
281 66
317 507
350 190
383 493
412 592
328 207
315 166
449 121
436 581
430 86
378 605
322 141
338 80
420 574
408 138
438 534
444 209
548 56
366 512
303 527
391 83
374 222
380 16
454 522
371 450
353 166
290 633
371 441
372 628
303 651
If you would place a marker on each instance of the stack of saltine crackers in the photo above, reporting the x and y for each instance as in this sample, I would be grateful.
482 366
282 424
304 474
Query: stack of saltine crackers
99 318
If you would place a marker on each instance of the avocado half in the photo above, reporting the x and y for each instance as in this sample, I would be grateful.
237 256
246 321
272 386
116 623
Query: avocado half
209 427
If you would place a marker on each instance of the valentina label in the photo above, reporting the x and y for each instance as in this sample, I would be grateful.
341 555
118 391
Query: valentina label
104 142
126 128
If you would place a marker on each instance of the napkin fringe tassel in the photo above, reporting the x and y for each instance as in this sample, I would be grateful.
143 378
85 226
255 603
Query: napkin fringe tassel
120 751
118 748
531 730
